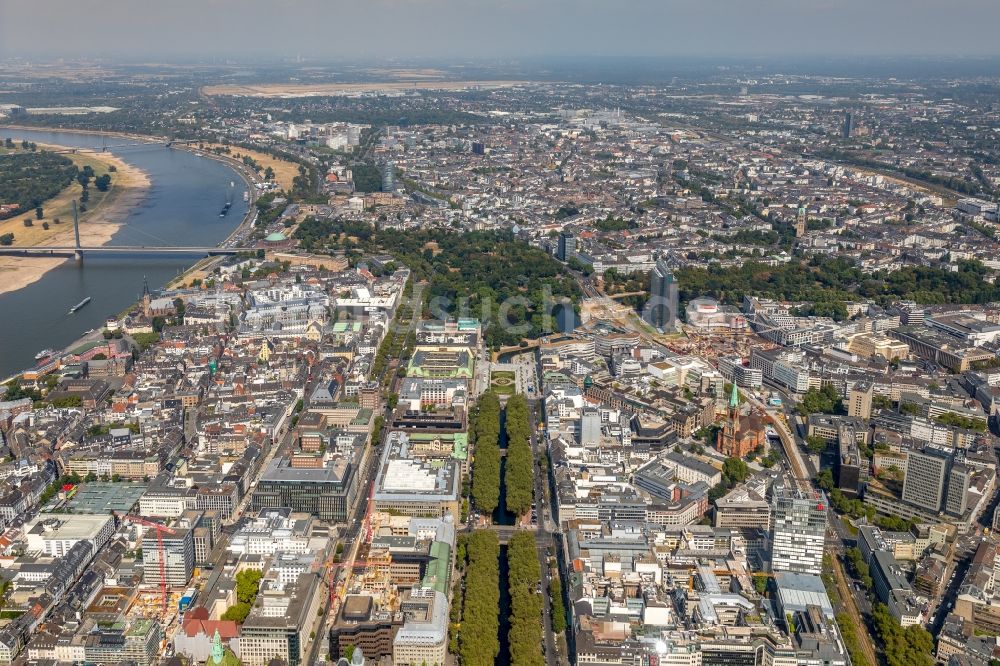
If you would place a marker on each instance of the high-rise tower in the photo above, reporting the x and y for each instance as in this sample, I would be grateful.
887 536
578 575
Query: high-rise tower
661 310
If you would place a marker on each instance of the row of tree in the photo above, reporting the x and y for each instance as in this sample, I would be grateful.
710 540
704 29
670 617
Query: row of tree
859 568
519 475
912 646
486 463
558 608
849 632
526 604
856 508
478 638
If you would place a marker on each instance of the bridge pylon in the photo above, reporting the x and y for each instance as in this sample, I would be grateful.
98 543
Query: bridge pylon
78 253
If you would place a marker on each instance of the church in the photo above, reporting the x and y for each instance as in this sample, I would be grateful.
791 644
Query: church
741 434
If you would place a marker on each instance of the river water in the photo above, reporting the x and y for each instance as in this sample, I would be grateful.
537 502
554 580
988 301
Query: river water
180 208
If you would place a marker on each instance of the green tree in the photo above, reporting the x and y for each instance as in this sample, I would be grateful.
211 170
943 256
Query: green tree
247 585
859 567
816 444
486 462
912 646
526 605
479 644
146 340
734 470
820 401
67 401
519 476
237 612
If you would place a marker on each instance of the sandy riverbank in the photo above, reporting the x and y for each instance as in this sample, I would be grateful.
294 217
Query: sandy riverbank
97 225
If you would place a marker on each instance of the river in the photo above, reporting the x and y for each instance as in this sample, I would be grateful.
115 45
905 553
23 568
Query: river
501 516
181 207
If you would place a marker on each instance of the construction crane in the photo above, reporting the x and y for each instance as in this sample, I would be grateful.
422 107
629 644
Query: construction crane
160 530
332 566
368 513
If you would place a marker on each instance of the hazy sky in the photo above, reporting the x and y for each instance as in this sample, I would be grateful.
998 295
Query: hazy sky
363 29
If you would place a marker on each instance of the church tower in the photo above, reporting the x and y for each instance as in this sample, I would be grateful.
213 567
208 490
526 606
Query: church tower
727 438
146 297
801 222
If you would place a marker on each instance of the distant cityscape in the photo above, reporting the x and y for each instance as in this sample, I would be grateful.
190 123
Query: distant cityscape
515 370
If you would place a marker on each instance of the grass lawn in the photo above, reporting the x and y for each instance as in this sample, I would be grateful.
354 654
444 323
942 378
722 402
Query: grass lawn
502 382
284 171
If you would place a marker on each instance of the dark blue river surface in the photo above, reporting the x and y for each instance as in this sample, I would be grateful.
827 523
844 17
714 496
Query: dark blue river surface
180 208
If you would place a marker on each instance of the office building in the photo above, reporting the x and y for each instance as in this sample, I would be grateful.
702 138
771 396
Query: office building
55 533
423 639
418 393
327 492
893 589
912 314
661 310
852 468
364 628
567 246
743 508
416 481
178 556
848 125
859 400
590 426
799 531
137 643
956 496
389 177
934 481
281 621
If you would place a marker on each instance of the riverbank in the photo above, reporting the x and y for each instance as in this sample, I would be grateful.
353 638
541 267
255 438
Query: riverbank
143 138
106 214
285 171
181 206
203 267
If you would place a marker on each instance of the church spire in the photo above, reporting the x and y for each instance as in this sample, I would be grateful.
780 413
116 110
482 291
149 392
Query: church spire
217 651
147 298
734 398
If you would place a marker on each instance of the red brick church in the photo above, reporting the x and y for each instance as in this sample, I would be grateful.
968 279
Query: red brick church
741 434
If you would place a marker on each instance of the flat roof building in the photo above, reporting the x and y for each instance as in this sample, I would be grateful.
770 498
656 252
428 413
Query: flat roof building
411 485
799 531
328 492
55 533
